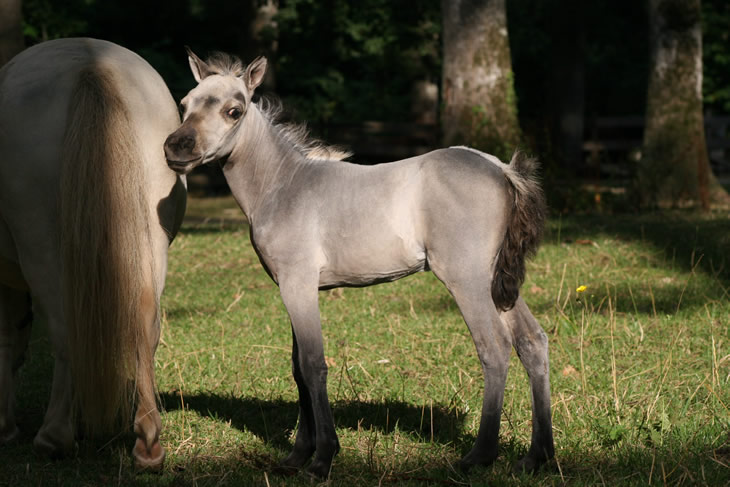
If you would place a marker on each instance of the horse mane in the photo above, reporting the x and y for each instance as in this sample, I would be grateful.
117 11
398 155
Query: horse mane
297 134
271 108
225 64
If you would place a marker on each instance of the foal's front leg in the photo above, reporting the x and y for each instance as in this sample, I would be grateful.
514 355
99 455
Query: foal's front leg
316 427
304 444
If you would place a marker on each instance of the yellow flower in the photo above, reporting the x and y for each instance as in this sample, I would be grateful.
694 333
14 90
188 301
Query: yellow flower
580 289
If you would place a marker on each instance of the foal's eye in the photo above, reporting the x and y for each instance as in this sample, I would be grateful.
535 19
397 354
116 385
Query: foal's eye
234 113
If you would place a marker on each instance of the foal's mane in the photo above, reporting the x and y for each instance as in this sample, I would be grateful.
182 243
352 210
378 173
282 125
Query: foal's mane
271 108
297 134
225 64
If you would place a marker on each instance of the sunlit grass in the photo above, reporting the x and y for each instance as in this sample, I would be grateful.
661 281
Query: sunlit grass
640 364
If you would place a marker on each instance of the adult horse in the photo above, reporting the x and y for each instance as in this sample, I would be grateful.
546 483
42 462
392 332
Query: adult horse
318 224
88 208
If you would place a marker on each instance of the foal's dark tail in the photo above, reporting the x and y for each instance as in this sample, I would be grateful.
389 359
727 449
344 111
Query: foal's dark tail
524 230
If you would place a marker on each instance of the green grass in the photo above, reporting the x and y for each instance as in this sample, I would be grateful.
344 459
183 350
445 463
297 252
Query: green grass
640 367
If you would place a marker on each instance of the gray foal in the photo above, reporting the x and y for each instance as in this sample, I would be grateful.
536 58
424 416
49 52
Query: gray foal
318 223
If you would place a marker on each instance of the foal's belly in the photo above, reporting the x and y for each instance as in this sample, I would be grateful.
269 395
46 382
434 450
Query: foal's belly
371 260
329 279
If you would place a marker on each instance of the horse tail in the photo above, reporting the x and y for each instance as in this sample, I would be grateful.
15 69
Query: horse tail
106 254
524 230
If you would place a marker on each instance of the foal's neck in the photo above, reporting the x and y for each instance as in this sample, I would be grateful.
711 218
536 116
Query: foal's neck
262 163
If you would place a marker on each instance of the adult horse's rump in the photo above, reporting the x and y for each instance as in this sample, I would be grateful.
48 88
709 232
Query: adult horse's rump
88 208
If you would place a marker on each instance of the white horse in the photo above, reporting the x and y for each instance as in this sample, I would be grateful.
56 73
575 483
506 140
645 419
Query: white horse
88 208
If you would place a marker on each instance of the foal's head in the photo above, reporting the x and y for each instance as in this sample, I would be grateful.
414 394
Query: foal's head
212 112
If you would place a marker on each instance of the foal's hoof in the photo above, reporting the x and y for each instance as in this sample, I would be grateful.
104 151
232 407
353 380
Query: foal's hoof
529 465
473 459
285 470
293 462
148 459
319 469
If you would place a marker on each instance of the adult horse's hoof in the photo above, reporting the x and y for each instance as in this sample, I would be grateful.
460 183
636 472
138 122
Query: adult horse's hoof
148 459
9 435
53 448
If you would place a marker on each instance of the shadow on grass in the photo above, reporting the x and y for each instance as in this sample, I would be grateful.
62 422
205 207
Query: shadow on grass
274 420
210 226
683 236
690 242
664 298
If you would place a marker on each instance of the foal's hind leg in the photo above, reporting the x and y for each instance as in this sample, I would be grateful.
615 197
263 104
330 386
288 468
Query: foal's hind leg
531 345
492 340
15 320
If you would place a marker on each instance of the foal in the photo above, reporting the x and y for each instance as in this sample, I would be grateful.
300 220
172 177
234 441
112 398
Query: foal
318 224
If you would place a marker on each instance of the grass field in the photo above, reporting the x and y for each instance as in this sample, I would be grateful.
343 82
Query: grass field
640 367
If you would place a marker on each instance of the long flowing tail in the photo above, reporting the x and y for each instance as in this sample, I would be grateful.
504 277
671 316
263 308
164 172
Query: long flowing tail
106 253
524 230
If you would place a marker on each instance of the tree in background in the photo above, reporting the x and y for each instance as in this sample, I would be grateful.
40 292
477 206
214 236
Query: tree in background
343 61
674 168
478 97
566 81
11 29
261 37
716 58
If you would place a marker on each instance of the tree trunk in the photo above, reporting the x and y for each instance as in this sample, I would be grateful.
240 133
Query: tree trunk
11 30
261 38
674 169
479 103
567 82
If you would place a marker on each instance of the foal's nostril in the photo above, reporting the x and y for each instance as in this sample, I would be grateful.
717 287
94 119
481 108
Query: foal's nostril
178 143
187 143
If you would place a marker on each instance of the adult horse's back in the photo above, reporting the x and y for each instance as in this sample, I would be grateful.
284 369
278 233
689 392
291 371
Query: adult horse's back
88 207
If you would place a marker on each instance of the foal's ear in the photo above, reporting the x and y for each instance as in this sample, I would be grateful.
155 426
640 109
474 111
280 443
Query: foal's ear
197 66
255 73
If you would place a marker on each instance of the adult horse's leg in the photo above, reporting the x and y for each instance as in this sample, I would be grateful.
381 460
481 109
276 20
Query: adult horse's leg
148 452
15 320
531 345
56 436
301 301
305 442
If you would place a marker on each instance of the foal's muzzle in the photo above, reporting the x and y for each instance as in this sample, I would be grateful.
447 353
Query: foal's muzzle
180 150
